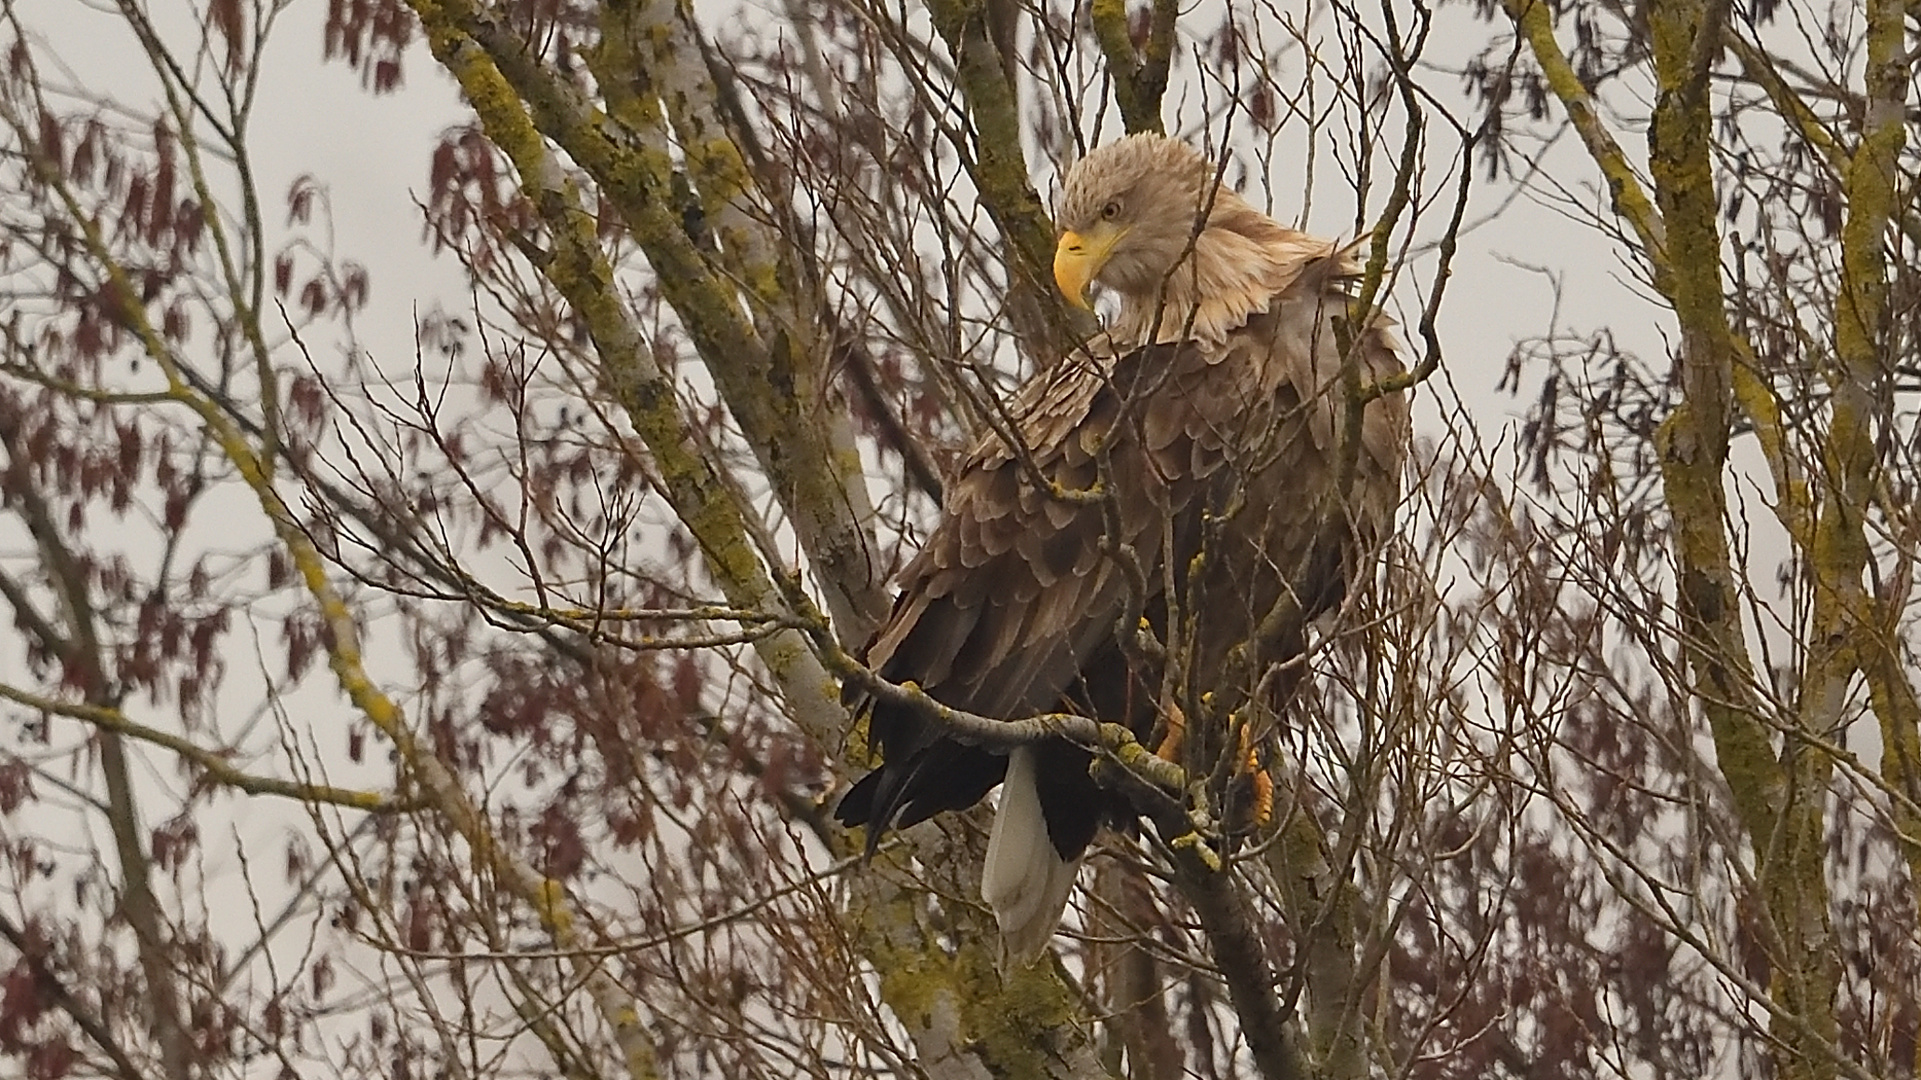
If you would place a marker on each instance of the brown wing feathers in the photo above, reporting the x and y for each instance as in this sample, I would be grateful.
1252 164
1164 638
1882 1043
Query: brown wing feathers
1009 609
999 614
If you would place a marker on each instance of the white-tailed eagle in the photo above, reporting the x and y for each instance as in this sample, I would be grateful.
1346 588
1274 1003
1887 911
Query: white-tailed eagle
1213 418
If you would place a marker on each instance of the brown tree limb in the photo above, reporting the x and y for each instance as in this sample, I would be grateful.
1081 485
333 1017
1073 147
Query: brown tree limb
998 166
1782 804
213 765
1233 939
1863 391
793 418
1140 75
920 467
627 157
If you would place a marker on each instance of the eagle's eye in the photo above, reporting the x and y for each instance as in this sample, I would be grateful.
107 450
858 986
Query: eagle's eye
1111 211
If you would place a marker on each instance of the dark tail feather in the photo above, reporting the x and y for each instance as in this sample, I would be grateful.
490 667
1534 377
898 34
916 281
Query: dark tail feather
901 794
856 807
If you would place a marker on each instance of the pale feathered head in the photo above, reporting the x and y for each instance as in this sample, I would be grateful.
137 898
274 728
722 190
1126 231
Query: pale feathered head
1127 216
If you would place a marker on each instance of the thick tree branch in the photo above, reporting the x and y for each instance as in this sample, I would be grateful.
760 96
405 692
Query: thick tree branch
769 385
1140 76
998 165
902 948
581 274
1782 804
650 63
1534 20
1862 391
1233 939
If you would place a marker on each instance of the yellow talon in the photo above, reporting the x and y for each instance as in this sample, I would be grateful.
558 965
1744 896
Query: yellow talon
1263 800
1263 809
1170 747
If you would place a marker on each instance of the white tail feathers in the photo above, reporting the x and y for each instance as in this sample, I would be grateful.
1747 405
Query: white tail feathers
1025 880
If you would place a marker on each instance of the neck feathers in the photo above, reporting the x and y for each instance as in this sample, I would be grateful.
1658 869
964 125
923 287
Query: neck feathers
1241 261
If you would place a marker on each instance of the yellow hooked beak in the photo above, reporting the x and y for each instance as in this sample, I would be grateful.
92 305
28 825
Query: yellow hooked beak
1078 259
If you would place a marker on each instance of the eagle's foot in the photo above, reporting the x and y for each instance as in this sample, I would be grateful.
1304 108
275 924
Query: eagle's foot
1171 743
1250 799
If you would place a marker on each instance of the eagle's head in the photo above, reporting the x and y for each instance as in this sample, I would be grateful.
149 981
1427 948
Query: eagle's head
1128 213
1127 216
